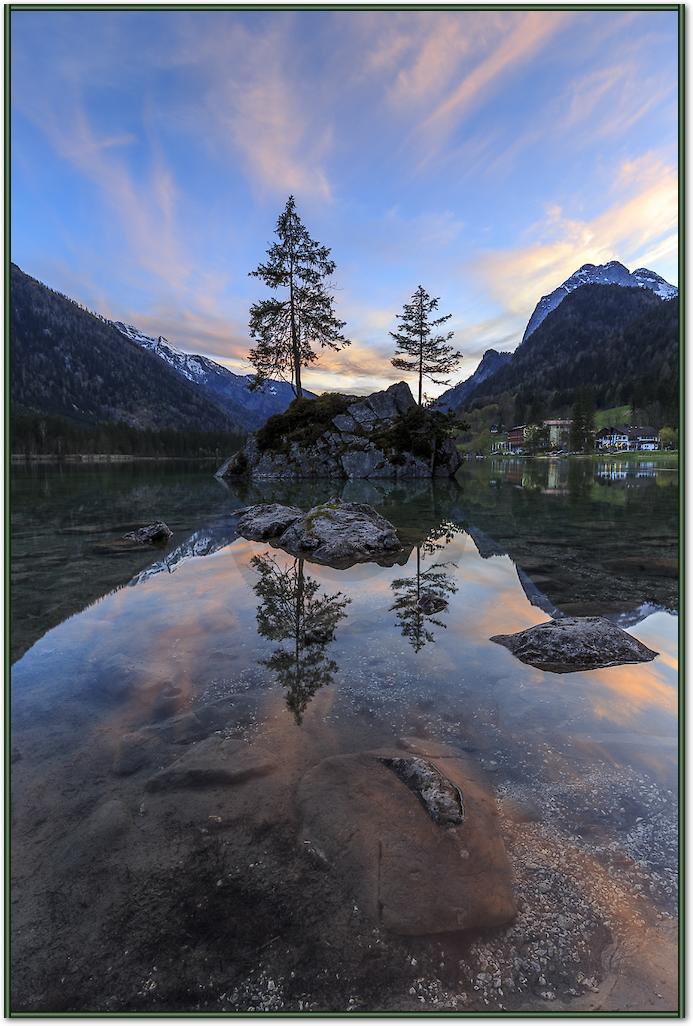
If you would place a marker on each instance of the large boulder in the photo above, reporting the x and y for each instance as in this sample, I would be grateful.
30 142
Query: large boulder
414 835
335 532
357 442
574 643
267 520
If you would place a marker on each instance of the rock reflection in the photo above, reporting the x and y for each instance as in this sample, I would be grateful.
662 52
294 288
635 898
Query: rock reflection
292 610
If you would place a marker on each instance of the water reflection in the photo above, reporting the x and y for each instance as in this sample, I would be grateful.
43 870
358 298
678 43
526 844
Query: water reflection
237 641
292 610
421 598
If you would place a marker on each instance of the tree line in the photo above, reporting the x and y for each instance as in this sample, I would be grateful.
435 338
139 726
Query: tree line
36 434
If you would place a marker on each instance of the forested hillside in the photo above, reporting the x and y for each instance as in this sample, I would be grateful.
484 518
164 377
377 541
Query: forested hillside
68 362
621 343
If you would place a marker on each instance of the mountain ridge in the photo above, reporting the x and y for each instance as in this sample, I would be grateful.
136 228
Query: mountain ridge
611 273
229 390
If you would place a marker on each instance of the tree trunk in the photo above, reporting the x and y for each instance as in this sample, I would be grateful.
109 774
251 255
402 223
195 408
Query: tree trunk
294 340
420 364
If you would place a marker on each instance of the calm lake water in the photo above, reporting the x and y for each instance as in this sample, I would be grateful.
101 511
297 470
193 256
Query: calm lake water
129 898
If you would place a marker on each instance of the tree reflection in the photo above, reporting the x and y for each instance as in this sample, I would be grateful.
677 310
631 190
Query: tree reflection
292 610
420 598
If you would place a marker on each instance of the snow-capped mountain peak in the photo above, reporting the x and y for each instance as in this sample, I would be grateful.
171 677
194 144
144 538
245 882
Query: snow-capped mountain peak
611 273
230 391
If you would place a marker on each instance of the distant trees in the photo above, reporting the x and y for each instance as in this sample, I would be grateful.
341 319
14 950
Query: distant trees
668 438
286 329
419 348
582 427
536 438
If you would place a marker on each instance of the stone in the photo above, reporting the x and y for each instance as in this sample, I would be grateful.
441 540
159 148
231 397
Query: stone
215 762
109 822
344 423
411 871
346 448
134 751
153 534
366 463
442 800
574 643
341 533
258 523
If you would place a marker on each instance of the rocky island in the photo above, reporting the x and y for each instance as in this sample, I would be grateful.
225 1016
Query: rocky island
384 435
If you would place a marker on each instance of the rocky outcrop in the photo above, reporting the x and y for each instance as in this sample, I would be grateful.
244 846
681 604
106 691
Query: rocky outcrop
361 441
575 643
335 532
414 837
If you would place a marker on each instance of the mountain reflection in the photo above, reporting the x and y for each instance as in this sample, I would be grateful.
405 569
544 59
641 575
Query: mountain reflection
291 610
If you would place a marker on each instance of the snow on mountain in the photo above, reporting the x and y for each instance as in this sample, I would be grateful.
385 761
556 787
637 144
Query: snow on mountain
611 273
228 390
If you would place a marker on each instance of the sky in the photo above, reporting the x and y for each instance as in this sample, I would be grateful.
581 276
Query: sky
485 155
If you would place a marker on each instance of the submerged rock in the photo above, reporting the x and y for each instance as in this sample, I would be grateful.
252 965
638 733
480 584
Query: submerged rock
152 534
575 643
213 763
417 857
442 799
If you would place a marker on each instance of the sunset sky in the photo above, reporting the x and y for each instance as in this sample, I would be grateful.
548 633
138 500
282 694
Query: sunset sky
485 155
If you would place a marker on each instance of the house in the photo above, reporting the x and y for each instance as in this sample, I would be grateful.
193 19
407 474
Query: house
612 438
513 441
627 439
559 432
645 438
516 437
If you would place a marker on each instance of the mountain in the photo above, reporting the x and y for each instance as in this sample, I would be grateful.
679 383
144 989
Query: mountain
456 397
224 388
68 362
611 273
622 342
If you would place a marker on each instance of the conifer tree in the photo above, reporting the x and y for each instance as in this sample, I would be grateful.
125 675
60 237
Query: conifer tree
425 352
286 327
582 426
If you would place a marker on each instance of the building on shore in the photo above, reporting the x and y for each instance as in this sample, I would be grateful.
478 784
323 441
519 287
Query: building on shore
627 439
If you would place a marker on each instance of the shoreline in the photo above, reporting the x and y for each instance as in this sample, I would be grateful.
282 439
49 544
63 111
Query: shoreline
105 457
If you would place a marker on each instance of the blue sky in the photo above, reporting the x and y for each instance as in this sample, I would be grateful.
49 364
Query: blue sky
485 155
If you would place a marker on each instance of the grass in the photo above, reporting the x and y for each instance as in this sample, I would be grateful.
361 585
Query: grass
616 416
617 457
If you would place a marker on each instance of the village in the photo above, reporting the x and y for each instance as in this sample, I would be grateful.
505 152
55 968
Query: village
553 437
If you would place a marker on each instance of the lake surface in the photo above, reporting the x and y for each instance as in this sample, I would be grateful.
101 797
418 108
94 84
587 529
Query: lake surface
127 897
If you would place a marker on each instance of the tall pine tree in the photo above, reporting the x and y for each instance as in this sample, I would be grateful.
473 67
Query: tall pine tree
427 353
286 329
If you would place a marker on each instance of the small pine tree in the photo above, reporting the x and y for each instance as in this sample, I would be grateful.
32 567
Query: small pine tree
428 354
285 330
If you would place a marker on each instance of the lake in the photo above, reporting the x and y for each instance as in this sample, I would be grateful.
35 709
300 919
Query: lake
130 896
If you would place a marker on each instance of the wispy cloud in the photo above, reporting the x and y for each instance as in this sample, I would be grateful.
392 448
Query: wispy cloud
526 35
642 220
258 104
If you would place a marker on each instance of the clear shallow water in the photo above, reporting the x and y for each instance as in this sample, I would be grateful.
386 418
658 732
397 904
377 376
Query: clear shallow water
115 644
